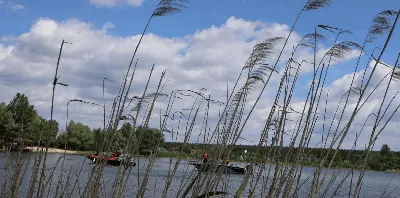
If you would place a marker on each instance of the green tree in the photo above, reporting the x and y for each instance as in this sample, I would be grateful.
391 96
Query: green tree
126 129
34 128
124 133
150 137
6 123
23 113
78 137
98 137
51 134
62 140
385 151
38 130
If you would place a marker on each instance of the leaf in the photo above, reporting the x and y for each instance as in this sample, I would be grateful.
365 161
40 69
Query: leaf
316 4
380 24
166 7
210 194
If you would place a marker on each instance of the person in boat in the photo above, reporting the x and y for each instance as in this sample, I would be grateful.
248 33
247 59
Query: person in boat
205 157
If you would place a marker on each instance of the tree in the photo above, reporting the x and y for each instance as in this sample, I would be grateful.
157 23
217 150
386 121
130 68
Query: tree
78 136
97 139
150 137
62 140
51 134
22 113
34 128
124 133
6 123
126 130
385 151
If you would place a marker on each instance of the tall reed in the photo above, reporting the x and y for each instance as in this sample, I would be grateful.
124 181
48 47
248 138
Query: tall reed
276 171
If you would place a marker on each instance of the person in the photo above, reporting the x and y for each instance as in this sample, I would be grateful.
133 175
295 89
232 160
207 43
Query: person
205 157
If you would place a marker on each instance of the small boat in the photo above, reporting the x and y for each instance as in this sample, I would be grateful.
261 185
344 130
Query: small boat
115 159
227 168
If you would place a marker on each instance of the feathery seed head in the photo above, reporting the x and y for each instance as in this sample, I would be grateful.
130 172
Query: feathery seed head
316 4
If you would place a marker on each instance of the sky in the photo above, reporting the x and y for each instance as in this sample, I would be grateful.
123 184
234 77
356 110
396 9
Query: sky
204 46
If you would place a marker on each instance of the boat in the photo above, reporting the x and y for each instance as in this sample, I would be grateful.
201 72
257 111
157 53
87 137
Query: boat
114 159
227 168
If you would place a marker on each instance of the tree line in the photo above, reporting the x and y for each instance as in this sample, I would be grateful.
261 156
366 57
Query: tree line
20 122
381 160
80 137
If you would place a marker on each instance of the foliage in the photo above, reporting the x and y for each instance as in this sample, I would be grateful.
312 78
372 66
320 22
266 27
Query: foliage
19 120
378 160
77 137
98 137
6 122
150 137
81 137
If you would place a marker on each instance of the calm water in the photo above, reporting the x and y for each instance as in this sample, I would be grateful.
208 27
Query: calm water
374 183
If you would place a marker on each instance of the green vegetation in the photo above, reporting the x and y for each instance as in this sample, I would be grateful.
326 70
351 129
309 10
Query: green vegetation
19 119
80 137
382 160
20 123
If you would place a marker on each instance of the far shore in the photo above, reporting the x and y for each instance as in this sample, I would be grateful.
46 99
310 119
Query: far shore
60 151
74 152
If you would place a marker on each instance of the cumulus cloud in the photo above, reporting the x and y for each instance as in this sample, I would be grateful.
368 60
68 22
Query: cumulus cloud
371 105
111 3
210 58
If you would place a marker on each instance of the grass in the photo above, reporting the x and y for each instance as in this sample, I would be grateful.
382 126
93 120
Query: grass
273 181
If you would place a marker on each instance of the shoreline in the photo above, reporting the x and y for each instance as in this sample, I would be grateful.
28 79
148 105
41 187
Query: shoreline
84 153
57 150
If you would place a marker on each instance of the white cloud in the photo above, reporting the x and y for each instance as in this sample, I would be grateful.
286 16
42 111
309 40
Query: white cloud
11 5
17 7
374 93
110 3
208 58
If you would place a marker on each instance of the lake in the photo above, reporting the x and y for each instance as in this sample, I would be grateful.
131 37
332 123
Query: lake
374 183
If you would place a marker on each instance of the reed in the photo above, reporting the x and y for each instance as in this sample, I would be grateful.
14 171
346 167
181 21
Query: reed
281 172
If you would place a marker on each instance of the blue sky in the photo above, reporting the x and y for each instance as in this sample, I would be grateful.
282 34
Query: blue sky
129 20
169 33
354 15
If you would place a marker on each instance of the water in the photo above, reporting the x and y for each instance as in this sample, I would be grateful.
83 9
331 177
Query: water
374 183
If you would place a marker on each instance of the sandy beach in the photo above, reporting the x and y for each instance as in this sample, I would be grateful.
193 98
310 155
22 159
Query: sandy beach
52 150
